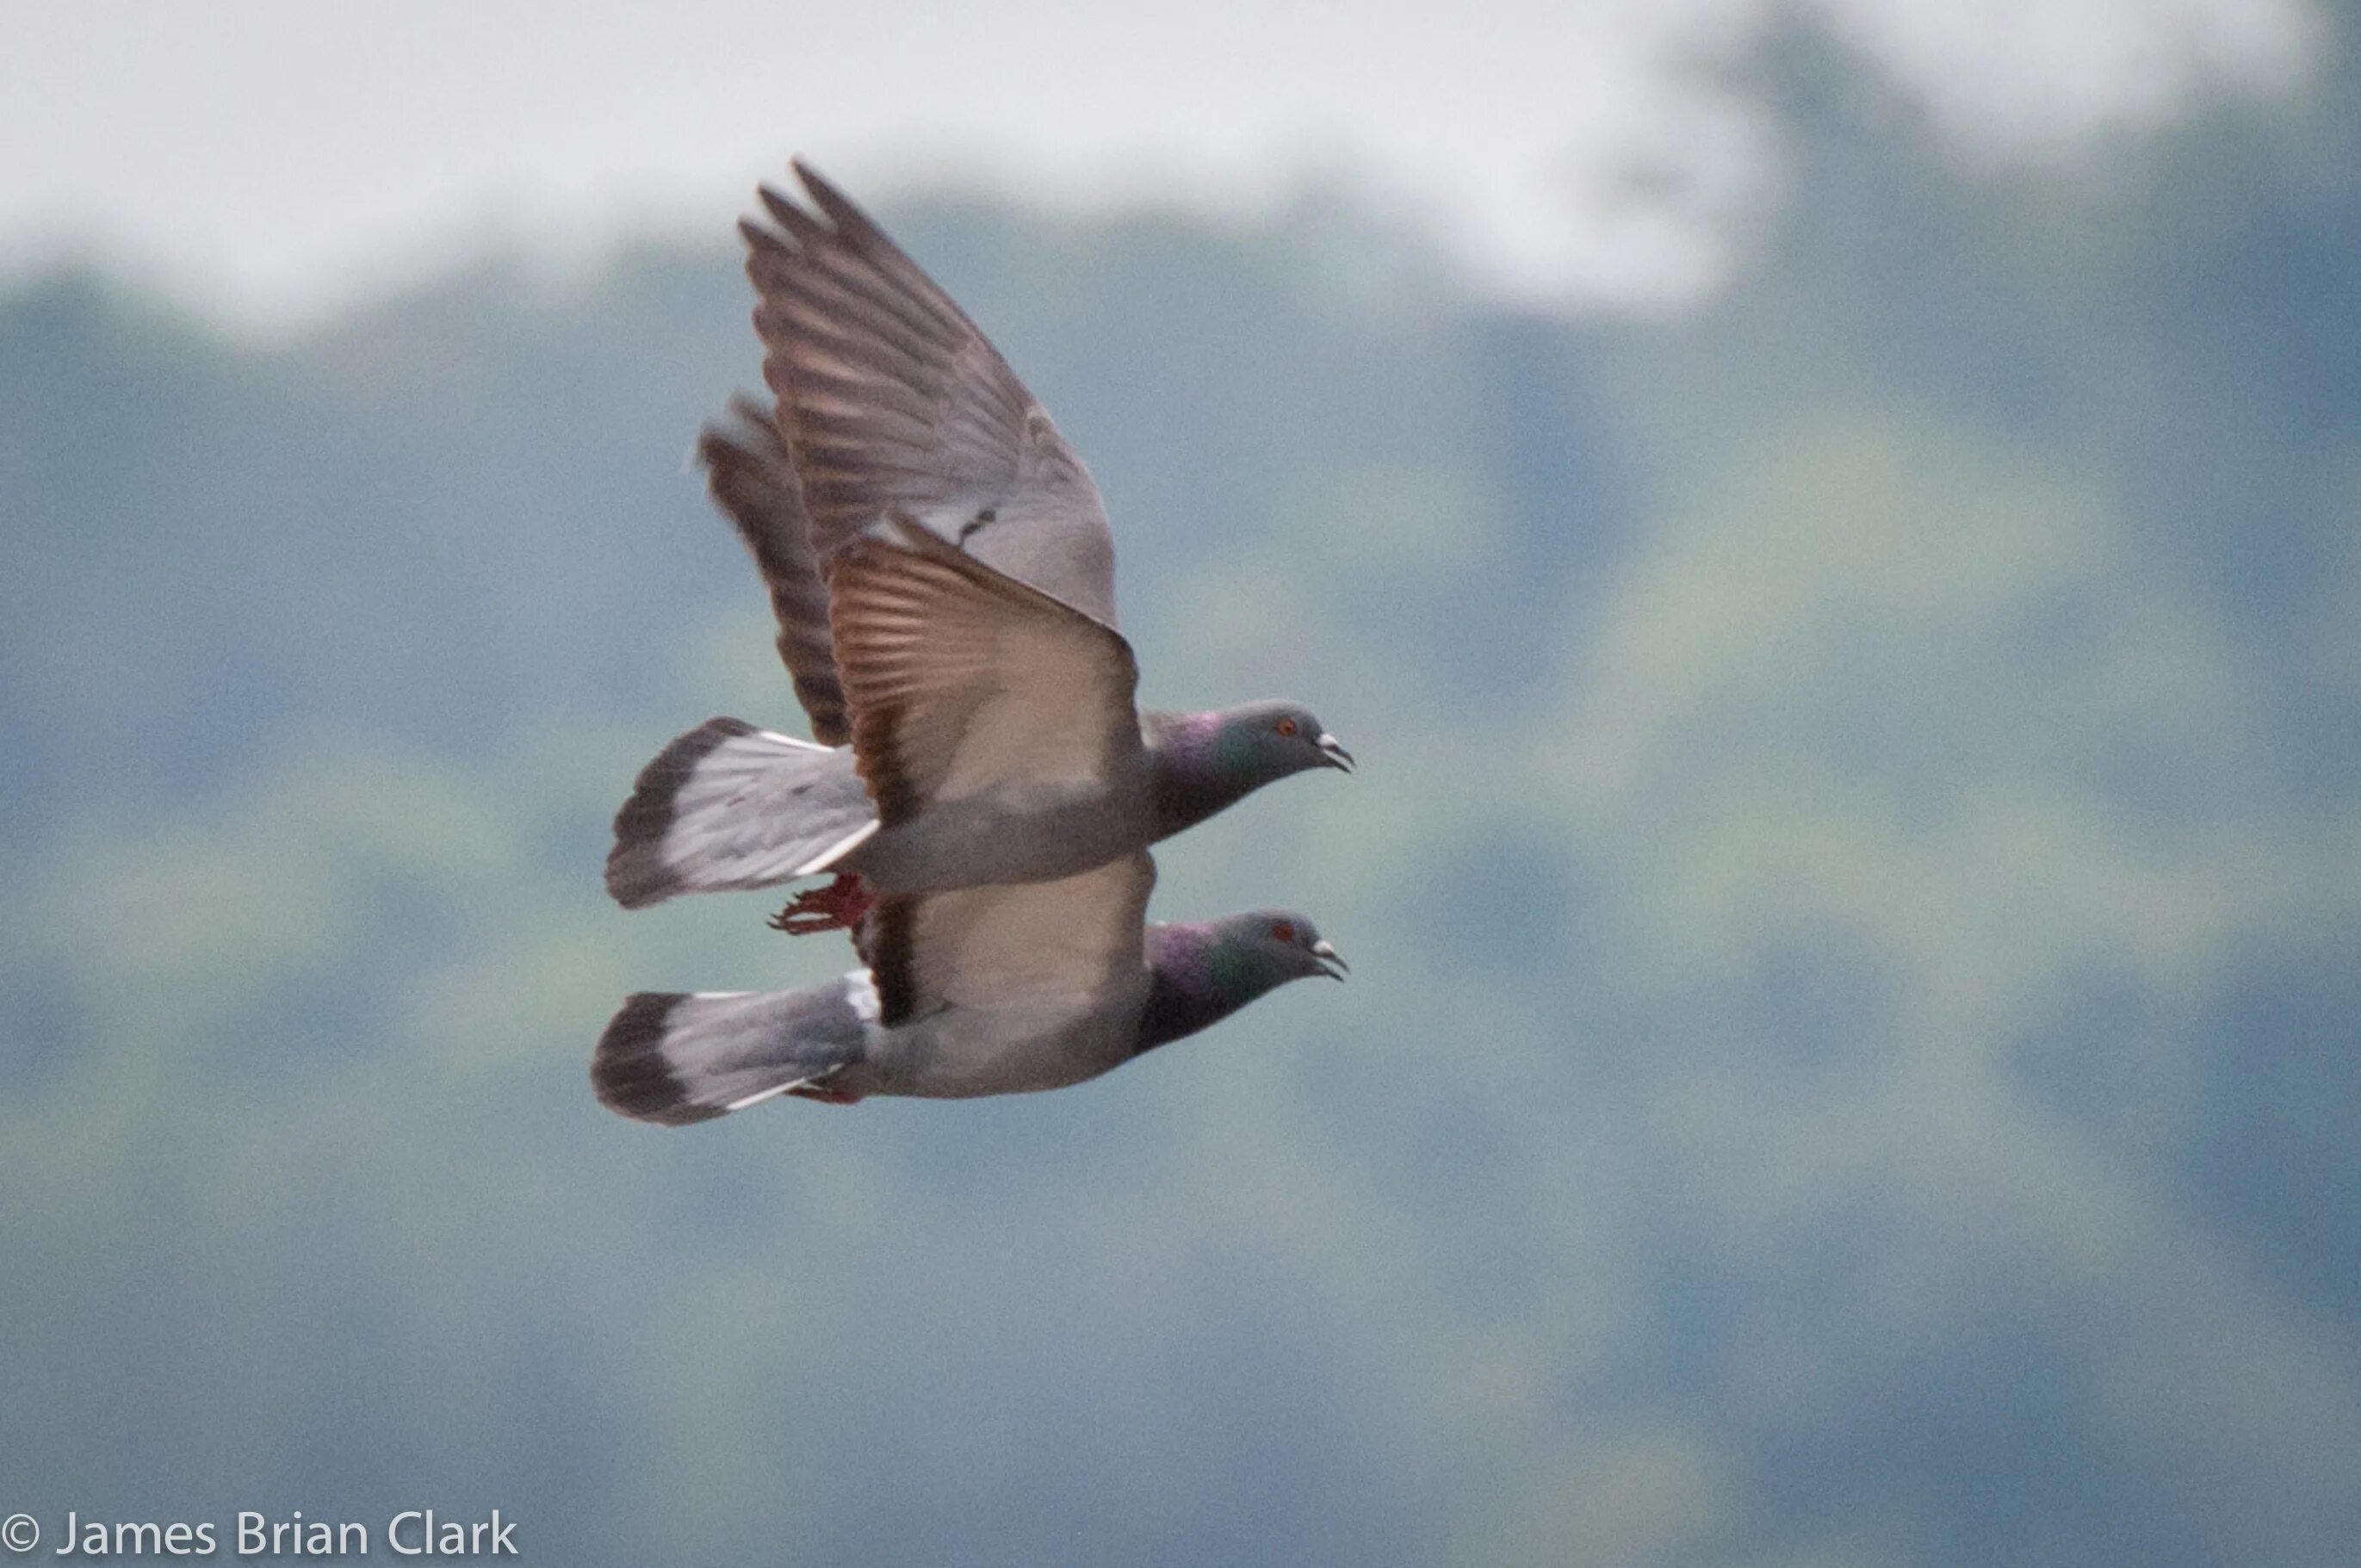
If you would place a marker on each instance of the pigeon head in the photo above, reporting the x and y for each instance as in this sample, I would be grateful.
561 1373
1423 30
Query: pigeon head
1203 972
1264 947
1266 740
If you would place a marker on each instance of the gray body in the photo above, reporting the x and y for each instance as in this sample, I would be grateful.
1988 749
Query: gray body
1037 1042
1040 833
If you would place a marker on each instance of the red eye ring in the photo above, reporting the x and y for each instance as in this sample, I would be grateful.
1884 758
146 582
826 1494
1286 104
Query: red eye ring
1283 931
1285 727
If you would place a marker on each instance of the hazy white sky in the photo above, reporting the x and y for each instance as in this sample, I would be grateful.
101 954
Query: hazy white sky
272 158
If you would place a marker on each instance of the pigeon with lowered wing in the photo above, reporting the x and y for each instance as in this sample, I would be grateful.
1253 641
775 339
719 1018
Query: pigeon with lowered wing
979 990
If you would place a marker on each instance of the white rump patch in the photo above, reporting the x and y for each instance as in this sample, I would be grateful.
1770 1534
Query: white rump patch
861 993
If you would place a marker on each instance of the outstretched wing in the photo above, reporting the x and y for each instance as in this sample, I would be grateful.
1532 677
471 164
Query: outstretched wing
998 946
964 681
891 402
751 479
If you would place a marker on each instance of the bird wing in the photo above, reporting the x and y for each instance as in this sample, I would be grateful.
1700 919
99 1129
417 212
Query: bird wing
997 946
891 401
964 680
751 479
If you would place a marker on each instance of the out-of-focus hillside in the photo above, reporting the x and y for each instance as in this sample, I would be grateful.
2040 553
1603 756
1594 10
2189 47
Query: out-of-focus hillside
1853 889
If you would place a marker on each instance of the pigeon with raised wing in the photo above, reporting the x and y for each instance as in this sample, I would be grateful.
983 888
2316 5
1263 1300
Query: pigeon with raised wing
892 405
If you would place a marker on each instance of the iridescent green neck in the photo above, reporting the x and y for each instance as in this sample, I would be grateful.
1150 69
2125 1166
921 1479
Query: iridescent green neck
1198 979
1200 765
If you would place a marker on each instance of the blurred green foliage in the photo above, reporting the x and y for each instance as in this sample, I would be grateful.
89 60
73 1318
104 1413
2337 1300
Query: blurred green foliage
1853 891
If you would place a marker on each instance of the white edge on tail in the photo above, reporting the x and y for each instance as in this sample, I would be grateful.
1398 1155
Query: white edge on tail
839 850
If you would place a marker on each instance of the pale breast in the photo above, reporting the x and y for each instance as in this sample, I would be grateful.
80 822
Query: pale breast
1045 1042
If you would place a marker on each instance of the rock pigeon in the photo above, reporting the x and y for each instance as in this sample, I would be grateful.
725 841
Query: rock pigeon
891 404
1000 990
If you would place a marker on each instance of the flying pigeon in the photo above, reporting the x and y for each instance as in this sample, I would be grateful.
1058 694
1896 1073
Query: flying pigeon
892 405
999 990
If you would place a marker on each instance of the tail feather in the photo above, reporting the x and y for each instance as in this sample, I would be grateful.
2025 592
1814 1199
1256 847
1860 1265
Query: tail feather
678 1059
730 806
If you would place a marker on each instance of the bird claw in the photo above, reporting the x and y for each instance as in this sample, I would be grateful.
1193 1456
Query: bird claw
838 906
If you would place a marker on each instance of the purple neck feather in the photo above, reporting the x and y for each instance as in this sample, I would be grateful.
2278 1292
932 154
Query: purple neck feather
1184 760
1185 995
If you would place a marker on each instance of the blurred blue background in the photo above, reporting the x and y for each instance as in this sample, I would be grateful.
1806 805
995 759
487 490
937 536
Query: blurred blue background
1853 887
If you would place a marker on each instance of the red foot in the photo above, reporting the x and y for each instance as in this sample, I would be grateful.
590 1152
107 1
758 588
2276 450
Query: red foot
824 1096
838 906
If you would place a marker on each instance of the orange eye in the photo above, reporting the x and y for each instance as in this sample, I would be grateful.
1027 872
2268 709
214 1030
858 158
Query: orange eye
1287 727
1284 931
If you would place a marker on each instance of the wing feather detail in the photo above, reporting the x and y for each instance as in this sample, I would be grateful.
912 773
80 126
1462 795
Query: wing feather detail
963 681
751 479
891 400
1011 944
